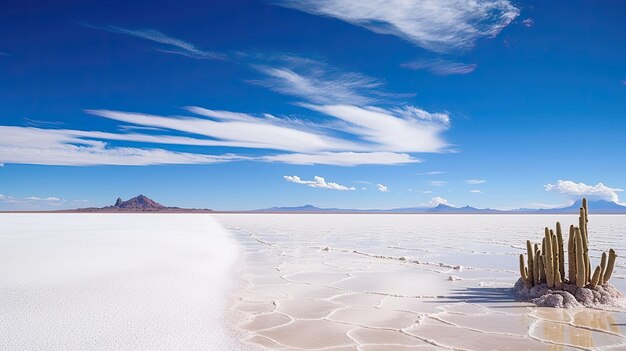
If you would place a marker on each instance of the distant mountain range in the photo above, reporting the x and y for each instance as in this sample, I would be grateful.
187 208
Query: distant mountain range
596 207
142 203
139 203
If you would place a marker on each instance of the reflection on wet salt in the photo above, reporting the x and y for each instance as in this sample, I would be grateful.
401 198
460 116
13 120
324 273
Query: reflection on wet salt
381 282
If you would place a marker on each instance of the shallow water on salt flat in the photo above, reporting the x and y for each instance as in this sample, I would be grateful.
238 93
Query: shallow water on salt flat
375 282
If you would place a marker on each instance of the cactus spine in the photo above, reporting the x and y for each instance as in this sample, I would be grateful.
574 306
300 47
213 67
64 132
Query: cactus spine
546 264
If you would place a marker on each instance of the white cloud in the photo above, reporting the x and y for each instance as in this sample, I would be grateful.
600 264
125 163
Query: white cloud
476 191
475 181
50 198
388 130
173 45
576 190
349 133
528 22
427 192
343 158
436 201
432 173
382 188
66 147
441 67
437 25
318 182
319 83
34 202
437 182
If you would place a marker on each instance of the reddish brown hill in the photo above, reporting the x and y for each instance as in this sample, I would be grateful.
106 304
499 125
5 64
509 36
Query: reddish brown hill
138 203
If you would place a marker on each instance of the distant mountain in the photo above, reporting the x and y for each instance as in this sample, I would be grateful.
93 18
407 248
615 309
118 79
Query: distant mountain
139 203
441 208
596 207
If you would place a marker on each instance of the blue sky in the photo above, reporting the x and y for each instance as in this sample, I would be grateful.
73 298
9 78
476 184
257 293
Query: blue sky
338 103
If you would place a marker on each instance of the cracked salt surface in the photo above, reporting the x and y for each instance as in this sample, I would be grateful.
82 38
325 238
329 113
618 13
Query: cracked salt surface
381 282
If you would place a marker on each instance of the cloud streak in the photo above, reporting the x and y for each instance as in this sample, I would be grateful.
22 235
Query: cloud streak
436 25
441 67
318 182
475 181
28 145
171 45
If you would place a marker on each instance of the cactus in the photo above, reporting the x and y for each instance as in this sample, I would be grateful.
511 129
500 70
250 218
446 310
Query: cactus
524 272
581 276
610 265
602 267
561 253
530 253
546 264
571 255
549 260
536 270
596 277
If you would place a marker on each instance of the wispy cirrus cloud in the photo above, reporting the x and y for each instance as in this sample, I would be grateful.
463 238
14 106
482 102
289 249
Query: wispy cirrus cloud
382 188
319 85
170 44
437 183
475 181
27 145
318 182
441 67
436 25
343 158
353 129
432 173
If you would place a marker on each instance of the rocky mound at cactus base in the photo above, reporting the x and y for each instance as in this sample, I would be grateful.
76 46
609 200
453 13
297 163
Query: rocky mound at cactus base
570 296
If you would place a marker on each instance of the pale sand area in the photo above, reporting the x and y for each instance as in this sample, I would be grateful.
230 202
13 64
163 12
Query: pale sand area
116 282
392 282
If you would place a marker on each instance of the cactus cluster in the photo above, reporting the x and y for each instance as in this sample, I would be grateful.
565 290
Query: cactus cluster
546 263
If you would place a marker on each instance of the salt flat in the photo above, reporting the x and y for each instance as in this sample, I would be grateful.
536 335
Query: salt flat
410 282
115 282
